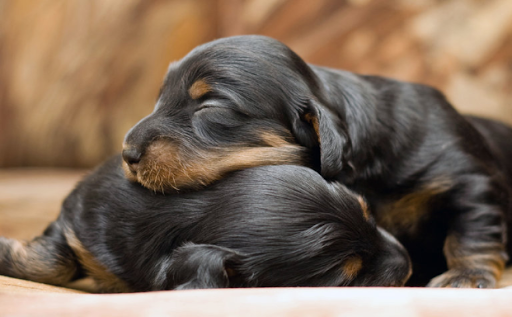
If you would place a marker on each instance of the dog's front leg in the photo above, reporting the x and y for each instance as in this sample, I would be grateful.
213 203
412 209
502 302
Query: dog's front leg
475 244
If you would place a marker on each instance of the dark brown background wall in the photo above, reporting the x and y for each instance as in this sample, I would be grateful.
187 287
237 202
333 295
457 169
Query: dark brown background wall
76 75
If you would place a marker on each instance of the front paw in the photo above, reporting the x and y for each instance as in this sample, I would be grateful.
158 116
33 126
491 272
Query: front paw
461 278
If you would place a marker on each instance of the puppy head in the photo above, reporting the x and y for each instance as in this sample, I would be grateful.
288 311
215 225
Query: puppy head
231 104
370 255
296 229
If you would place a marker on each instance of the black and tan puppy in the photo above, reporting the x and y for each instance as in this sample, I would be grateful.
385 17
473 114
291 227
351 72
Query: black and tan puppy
267 226
430 177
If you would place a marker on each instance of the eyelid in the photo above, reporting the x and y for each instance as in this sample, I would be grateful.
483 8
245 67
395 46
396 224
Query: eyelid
210 104
206 106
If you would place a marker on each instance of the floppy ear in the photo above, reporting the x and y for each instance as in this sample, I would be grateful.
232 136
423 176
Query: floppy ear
318 127
197 266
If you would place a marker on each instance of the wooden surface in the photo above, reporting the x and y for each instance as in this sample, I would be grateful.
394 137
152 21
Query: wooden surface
31 198
395 302
15 286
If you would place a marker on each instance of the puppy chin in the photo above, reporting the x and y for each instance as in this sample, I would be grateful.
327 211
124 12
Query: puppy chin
160 175
168 167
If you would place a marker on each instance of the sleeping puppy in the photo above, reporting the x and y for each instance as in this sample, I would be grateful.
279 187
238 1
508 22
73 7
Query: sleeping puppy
430 177
267 226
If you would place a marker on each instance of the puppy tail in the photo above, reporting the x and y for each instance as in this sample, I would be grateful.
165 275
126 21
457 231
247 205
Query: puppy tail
45 259
194 266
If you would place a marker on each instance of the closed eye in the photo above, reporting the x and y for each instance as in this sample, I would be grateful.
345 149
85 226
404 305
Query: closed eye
211 104
206 106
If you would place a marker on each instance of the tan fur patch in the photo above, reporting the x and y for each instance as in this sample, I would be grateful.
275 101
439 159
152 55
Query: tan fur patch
230 272
404 214
484 256
313 120
274 140
166 165
364 208
198 89
352 266
106 281
37 261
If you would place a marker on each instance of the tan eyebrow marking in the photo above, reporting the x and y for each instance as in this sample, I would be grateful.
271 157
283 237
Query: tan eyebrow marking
352 266
198 89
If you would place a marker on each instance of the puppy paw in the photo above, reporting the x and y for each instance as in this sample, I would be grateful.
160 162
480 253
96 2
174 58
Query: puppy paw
464 279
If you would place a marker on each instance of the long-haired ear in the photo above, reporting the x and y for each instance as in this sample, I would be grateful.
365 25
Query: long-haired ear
205 266
317 126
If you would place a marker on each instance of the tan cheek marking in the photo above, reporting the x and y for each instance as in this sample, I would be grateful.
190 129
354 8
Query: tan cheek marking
405 213
198 89
274 140
106 281
364 208
167 166
251 157
352 266
212 166
159 168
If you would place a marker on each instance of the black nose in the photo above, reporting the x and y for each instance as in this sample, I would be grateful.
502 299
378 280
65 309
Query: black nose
132 157
395 259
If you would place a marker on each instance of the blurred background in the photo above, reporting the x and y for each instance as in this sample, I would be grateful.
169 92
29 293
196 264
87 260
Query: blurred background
76 75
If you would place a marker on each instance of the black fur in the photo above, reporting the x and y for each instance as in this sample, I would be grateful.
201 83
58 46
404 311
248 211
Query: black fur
435 181
267 226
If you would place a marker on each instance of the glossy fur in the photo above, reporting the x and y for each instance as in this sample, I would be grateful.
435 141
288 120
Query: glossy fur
267 226
431 178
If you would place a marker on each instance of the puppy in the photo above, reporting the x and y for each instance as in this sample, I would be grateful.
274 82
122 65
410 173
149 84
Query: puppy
267 226
430 177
